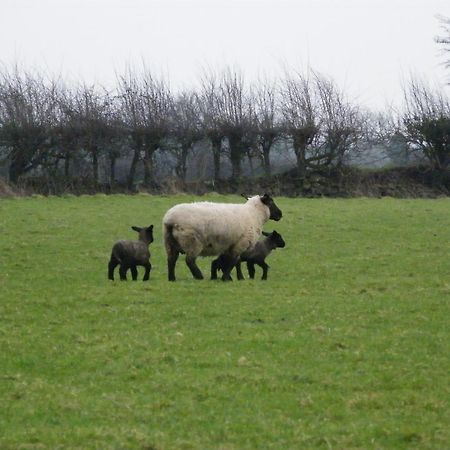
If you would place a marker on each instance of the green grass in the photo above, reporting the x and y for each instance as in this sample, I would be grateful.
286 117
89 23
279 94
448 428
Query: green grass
345 346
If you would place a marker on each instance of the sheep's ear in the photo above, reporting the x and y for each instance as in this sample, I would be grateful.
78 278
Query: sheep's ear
138 229
266 198
245 196
265 233
150 227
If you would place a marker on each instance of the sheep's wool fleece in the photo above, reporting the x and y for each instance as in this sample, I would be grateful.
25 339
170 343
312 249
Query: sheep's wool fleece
207 229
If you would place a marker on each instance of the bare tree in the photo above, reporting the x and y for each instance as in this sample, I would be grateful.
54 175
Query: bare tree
91 115
426 120
186 128
384 132
235 117
68 131
444 39
146 104
209 107
250 144
129 101
27 115
341 124
157 109
323 125
268 122
299 108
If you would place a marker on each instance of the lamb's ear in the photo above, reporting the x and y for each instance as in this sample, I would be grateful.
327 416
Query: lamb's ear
265 233
138 229
245 196
150 227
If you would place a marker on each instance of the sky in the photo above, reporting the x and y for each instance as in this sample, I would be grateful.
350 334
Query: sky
369 47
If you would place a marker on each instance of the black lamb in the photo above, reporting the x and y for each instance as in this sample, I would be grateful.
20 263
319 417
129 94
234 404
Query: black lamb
130 254
255 255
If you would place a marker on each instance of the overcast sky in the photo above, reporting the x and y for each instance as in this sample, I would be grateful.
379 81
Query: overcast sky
367 46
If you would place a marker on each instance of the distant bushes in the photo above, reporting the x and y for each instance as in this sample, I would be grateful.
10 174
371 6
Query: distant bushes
56 137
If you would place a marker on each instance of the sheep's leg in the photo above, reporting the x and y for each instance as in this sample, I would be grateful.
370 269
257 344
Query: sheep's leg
123 272
196 272
215 266
172 257
148 267
172 250
265 268
239 273
251 269
113 263
134 272
227 266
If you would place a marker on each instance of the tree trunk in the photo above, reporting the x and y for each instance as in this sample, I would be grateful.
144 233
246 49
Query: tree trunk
300 153
14 173
112 170
266 158
133 166
181 168
235 156
67 165
250 163
147 168
236 168
16 169
216 157
149 178
216 144
94 151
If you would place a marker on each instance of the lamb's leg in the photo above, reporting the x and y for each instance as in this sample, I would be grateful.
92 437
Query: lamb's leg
148 267
227 266
215 266
196 272
239 273
134 272
265 268
113 263
251 269
123 272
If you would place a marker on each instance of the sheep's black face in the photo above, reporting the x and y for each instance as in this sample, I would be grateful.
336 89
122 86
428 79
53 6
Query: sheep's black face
277 239
275 212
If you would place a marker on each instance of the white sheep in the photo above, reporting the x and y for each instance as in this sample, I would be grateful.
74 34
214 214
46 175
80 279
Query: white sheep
210 229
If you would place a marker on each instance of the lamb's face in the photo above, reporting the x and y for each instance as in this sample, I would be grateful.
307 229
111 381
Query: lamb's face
145 234
277 239
275 212
148 234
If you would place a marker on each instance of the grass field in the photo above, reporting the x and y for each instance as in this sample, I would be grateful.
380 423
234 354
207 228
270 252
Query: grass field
346 346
